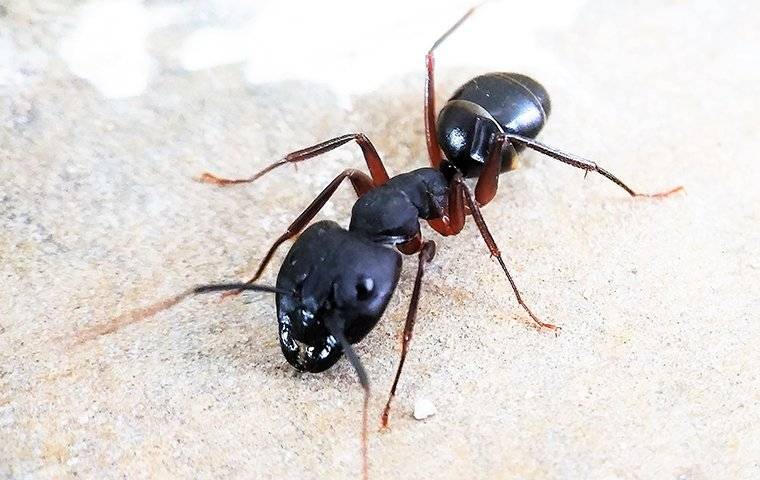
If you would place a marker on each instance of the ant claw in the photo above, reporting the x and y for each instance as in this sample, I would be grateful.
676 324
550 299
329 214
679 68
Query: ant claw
552 328
222 182
666 193
209 178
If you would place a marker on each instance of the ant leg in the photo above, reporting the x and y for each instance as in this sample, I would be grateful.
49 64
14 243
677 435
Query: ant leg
411 246
361 183
584 164
488 181
427 252
494 249
431 133
374 163
451 221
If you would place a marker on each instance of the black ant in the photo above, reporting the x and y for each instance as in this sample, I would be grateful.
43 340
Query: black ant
335 284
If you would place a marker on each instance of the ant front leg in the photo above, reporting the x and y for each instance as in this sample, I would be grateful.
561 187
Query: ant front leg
361 183
374 162
426 254
583 164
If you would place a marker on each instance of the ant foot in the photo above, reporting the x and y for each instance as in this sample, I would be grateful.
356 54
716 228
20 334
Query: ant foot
222 182
662 194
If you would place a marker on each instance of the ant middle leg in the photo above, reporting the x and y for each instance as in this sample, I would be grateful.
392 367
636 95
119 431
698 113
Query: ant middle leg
583 164
361 183
426 254
374 162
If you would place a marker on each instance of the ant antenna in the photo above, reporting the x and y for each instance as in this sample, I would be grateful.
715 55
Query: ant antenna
139 314
335 327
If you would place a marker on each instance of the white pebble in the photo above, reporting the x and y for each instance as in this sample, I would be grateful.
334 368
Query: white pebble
423 408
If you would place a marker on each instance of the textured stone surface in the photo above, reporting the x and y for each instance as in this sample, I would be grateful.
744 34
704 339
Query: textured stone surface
655 374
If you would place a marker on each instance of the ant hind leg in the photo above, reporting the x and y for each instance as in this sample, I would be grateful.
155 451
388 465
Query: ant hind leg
374 162
431 134
474 210
583 164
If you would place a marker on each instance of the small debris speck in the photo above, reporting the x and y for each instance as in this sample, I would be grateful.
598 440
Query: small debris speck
423 408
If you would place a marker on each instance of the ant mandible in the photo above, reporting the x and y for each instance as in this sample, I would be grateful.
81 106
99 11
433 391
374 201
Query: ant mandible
335 284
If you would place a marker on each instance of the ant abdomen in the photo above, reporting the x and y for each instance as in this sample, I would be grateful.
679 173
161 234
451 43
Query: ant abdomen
487 105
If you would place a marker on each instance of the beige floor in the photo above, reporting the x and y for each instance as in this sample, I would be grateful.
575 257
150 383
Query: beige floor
656 373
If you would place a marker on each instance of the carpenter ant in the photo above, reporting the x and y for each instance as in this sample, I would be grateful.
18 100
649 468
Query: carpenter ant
335 284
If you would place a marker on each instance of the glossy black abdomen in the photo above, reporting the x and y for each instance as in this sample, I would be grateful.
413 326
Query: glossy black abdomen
520 104
487 105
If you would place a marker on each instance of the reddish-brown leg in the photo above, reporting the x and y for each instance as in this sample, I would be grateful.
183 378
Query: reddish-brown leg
583 164
361 183
488 181
494 249
452 223
374 163
427 252
452 219
431 134
412 246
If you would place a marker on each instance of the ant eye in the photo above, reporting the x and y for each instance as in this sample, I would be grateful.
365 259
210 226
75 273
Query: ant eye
364 288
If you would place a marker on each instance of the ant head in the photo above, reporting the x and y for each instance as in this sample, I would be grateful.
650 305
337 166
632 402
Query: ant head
339 278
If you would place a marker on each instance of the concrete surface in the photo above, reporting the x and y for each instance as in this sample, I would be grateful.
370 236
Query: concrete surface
655 374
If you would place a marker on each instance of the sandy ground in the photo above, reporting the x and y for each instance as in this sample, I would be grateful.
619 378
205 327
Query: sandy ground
655 373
